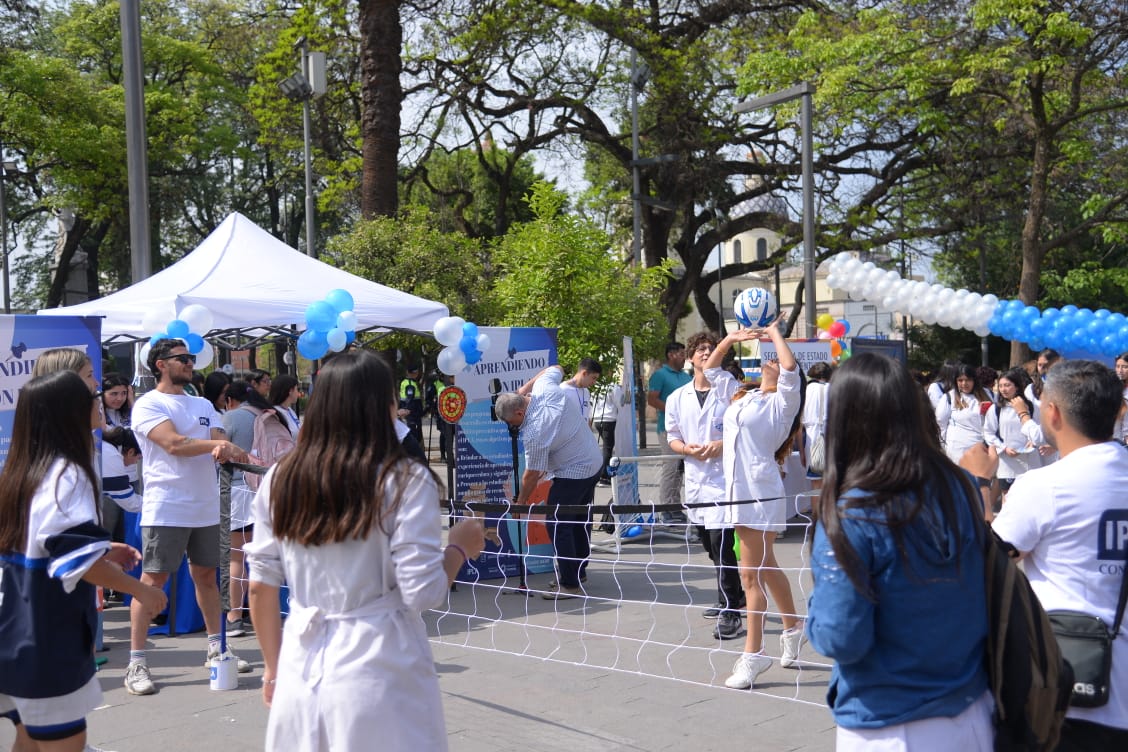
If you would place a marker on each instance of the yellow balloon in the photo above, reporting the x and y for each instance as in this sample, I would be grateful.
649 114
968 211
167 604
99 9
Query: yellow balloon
824 320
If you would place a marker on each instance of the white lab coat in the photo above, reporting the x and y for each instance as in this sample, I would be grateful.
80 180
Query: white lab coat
693 423
960 427
355 669
1008 432
754 428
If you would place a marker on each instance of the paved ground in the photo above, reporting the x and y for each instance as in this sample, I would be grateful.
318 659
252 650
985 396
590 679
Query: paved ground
634 667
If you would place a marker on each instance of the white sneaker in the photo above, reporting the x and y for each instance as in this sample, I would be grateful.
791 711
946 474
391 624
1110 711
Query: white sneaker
241 666
138 681
746 669
790 642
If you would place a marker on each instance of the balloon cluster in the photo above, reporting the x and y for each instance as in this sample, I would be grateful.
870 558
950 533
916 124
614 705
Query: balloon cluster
1074 331
834 331
932 304
463 344
1069 329
189 326
330 325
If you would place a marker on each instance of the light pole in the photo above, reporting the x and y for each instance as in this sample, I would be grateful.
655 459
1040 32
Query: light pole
804 91
6 168
304 86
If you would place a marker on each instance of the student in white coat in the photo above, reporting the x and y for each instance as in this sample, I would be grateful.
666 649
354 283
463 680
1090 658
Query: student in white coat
1008 427
756 425
695 429
352 525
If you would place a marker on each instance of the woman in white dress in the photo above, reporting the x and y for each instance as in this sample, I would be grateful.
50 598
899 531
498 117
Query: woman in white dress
756 425
352 525
1003 428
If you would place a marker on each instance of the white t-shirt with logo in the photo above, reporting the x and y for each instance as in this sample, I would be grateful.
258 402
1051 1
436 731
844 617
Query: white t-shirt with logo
1072 519
179 491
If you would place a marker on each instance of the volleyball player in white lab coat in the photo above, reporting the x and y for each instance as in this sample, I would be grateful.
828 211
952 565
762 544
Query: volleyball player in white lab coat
756 425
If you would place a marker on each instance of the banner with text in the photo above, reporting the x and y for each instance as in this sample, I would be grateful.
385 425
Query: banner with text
807 351
22 340
484 468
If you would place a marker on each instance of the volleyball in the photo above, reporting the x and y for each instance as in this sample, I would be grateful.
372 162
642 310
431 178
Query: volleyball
754 307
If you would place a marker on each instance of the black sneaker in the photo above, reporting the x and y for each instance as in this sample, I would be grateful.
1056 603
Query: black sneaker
714 612
729 626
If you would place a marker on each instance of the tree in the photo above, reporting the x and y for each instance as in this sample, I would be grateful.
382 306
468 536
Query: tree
559 271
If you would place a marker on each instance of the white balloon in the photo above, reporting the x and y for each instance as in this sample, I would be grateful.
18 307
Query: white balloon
889 303
832 280
982 330
892 276
448 331
851 265
451 360
938 288
204 356
855 294
197 317
143 356
483 343
346 321
841 258
881 289
992 299
868 266
962 292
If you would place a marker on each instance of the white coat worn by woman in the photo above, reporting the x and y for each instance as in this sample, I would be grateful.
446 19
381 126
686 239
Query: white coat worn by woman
354 634
352 525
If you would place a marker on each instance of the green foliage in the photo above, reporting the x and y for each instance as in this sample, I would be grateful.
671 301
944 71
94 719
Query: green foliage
559 271
1091 285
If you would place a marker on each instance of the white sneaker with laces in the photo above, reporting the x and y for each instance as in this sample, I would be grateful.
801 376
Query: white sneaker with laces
790 642
746 669
241 666
138 681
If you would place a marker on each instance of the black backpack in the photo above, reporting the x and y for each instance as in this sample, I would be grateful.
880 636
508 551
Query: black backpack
1029 680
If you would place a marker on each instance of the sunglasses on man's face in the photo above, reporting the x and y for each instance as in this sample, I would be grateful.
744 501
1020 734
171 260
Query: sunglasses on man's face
184 358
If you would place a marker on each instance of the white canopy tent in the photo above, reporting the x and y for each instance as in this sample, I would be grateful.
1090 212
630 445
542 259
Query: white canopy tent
254 285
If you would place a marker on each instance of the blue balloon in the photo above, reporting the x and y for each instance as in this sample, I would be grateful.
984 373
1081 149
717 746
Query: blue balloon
1069 309
177 329
1038 328
1030 314
473 357
157 337
1051 313
468 344
320 316
1102 313
995 324
1036 344
194 342
350 337
470 329
1110 345
341 300
312 344
633 531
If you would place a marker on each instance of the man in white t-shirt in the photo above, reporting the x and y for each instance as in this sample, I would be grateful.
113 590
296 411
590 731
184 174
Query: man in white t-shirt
578 388
181 439
1070 521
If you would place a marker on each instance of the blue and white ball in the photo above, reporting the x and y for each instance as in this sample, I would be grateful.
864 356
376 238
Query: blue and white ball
755 307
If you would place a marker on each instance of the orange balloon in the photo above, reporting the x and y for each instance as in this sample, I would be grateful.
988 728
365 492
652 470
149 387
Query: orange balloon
835 348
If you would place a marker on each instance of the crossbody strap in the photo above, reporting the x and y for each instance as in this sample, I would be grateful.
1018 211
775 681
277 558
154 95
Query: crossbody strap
1120 603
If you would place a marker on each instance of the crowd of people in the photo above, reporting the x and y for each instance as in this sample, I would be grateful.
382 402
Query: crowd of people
898 601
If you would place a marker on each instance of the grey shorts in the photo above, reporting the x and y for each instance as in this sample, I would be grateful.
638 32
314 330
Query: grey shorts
164 547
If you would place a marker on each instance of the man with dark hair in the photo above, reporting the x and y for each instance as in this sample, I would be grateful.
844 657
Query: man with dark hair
578 387
1070 521
663 383
181 438
694 420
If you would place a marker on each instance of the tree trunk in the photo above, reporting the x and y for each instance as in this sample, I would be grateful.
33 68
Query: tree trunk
1032 251
381 39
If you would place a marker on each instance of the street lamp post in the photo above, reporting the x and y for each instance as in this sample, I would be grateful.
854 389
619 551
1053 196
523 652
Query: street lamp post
304 86
805 92
6 168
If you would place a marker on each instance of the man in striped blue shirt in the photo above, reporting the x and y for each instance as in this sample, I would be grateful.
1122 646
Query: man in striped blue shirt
558 442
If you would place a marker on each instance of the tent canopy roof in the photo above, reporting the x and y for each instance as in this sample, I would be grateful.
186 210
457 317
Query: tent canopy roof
253 284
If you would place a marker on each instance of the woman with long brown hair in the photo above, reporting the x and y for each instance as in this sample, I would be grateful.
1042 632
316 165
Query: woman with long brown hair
53 552
898 600
352 525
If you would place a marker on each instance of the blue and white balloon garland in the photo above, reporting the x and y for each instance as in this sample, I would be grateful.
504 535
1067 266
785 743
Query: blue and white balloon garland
330 325
463 344
1073 331
190 325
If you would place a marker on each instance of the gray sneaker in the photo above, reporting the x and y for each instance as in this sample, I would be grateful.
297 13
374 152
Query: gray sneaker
236 628
138 681
241 666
